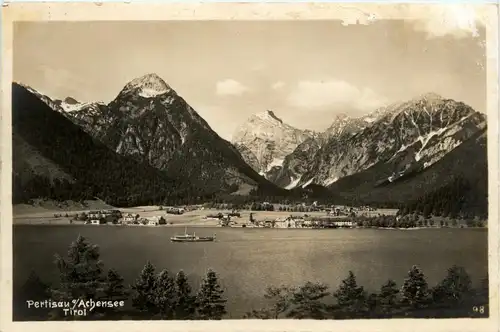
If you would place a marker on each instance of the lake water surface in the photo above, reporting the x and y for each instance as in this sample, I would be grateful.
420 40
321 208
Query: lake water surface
249 260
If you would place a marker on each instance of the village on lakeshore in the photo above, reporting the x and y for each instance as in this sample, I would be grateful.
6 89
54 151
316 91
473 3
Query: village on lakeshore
255 215
263 215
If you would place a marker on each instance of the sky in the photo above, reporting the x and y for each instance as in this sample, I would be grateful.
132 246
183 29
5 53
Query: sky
306 72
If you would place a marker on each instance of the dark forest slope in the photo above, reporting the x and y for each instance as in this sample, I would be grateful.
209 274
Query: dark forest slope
75 165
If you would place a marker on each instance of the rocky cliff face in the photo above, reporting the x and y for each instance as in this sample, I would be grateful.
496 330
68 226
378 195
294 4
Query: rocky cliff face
408 137
265 140
150 122
467 163
299 162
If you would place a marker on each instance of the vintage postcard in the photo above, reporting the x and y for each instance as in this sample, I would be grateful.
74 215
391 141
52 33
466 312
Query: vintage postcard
249 167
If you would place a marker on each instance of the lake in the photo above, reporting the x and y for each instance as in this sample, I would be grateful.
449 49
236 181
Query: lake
249 260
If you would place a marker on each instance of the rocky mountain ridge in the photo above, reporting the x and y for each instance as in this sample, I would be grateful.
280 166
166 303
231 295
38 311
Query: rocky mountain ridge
264 141
405 136
151 123
397 146
54 158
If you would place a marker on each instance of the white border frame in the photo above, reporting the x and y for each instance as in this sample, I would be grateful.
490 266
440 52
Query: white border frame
349 13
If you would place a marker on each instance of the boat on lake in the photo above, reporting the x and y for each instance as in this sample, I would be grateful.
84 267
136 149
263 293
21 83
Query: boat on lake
192 238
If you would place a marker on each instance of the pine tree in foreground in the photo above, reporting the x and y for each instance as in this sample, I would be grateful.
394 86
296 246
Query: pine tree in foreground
210 301
80 276
351 298
33 289
387 299
165 295
143 298
81 273
454 287
372 305
185 307
414 291
114 289
307 301
281 297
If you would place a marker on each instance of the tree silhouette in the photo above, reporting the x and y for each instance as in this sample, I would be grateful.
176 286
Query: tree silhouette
281 298
165 295
307 301
414 291
143 298
454 287
185 307
34 289
114 288
81 273
351 298
210 301
387 299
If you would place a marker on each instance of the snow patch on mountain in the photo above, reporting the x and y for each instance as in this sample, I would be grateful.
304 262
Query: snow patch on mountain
147 86
395 176
79 106
168 101
369 119
150 93
425 139
331 181
293 184
403 147
307 183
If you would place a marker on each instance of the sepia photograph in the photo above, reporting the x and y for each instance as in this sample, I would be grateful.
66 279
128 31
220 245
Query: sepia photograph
251 169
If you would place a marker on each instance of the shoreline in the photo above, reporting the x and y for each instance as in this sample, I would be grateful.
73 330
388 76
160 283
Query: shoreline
192 225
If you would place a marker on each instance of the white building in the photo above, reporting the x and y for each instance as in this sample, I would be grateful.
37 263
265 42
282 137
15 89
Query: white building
289 222
129 219
344 223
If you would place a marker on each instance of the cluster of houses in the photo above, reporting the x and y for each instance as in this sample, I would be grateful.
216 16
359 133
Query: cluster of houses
330 210
116 217
181 209
342 210
223 217
289 222
303 222
103 217
175 210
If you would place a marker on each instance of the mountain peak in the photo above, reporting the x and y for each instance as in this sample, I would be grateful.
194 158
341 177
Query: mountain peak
148 86
342 116
430 96
269 116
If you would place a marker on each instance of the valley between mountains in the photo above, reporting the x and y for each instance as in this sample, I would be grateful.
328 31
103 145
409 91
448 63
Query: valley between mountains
149 146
